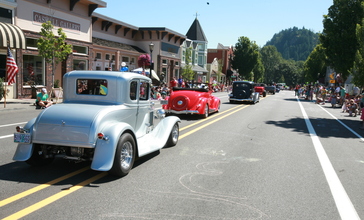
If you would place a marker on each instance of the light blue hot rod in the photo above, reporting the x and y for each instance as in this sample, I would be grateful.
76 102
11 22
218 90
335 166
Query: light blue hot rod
106 117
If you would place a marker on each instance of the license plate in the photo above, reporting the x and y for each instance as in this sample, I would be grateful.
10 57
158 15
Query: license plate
164 102
22 138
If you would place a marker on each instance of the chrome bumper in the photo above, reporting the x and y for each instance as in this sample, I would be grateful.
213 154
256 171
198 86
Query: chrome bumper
182 111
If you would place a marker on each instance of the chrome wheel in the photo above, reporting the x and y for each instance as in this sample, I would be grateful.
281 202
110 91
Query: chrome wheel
173 136
126 156
206 113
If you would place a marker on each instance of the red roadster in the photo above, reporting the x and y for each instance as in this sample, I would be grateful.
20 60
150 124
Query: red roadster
191 101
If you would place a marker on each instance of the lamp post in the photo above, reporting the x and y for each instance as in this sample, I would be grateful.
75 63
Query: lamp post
151 47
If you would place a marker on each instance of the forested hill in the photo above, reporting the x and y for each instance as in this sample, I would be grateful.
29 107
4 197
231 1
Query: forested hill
294 43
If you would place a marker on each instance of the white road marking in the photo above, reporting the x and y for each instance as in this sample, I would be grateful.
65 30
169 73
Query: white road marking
7 125
343 203
6 136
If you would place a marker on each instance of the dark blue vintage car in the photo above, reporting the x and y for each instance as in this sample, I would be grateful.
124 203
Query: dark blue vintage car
243 91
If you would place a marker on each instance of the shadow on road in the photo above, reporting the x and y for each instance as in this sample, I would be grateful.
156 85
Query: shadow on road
325 128
21 172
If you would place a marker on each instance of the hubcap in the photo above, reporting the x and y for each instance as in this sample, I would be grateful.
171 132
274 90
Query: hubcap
126 155
175 133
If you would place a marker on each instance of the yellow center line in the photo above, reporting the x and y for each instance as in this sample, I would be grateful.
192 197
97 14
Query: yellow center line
53 198
213 116
211 122
40 187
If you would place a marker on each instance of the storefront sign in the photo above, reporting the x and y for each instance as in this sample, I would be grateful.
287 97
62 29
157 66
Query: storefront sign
57 22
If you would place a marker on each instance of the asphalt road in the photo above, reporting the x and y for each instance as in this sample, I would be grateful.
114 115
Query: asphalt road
282 158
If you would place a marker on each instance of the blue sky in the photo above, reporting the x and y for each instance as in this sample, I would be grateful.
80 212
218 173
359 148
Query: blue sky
223 21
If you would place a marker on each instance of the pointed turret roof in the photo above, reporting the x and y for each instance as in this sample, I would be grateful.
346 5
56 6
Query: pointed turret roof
195 32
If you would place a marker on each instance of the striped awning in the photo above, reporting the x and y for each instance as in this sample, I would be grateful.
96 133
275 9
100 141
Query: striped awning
13 34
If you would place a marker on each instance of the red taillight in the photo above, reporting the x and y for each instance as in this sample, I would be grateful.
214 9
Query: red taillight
100 136
19 129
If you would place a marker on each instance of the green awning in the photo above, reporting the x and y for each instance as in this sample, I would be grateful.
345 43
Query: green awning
12 34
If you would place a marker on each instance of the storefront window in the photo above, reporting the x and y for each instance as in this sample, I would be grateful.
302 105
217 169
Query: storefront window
33 70
79 64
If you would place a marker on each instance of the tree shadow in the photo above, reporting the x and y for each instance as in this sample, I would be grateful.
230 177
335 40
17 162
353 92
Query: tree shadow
324 128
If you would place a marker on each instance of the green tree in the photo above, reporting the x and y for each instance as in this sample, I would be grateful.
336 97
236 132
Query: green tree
294 43
258 71
315 65
338 37
358 70
271 60
246 55
187 72
53 49
292 71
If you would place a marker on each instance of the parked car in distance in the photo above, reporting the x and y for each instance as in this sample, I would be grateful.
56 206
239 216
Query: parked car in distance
106 117
271 89
260 87
243 91
198 101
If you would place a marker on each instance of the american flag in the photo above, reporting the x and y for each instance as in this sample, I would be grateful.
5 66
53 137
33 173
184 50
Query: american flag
11 68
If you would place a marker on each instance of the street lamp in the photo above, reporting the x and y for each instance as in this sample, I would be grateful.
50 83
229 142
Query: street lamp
151 47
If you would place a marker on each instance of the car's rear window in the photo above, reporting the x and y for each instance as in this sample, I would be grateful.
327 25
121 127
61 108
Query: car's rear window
91 86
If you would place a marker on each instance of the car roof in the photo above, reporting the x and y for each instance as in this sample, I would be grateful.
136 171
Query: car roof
108 75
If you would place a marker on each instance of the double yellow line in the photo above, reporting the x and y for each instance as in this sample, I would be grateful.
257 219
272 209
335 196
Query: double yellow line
233 110
78 186
50 199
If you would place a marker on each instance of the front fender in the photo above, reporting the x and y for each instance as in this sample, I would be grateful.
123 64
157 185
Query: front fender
24 151
105 149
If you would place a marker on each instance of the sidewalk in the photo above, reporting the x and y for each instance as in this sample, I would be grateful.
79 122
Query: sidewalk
16 104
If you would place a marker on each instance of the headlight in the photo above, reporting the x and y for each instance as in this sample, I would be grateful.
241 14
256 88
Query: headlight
160 114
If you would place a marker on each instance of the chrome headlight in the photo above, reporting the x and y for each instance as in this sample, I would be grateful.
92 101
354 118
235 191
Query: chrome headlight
160 114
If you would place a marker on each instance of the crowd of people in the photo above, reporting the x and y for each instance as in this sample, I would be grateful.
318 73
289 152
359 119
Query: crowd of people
348 102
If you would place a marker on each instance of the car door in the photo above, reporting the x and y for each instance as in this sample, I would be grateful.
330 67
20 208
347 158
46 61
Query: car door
144 114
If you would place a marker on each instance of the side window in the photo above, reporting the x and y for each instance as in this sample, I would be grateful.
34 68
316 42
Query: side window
144 91
133 90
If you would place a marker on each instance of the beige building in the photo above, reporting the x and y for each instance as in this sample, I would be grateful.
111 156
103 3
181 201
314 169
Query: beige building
99 42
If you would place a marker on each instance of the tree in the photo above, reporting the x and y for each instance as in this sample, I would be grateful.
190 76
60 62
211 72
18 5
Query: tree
358 70
271 60
258 71
246 55
338 37
295 43
292 71
315 65
53 49
187 72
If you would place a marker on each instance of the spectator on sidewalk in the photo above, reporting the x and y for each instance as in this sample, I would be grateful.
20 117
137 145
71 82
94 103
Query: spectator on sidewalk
42 99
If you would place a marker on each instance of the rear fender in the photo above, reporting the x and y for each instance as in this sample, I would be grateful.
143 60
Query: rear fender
105 149
158 138
24 151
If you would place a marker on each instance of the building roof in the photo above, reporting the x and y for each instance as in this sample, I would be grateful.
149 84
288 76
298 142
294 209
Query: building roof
195 32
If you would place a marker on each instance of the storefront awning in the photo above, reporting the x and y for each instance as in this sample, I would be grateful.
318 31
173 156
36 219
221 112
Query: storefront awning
13 34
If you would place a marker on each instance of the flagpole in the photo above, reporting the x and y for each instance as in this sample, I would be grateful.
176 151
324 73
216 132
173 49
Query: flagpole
6 76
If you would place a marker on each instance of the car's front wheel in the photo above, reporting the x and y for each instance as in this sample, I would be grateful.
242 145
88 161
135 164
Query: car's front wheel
124 156
173 136
39 158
